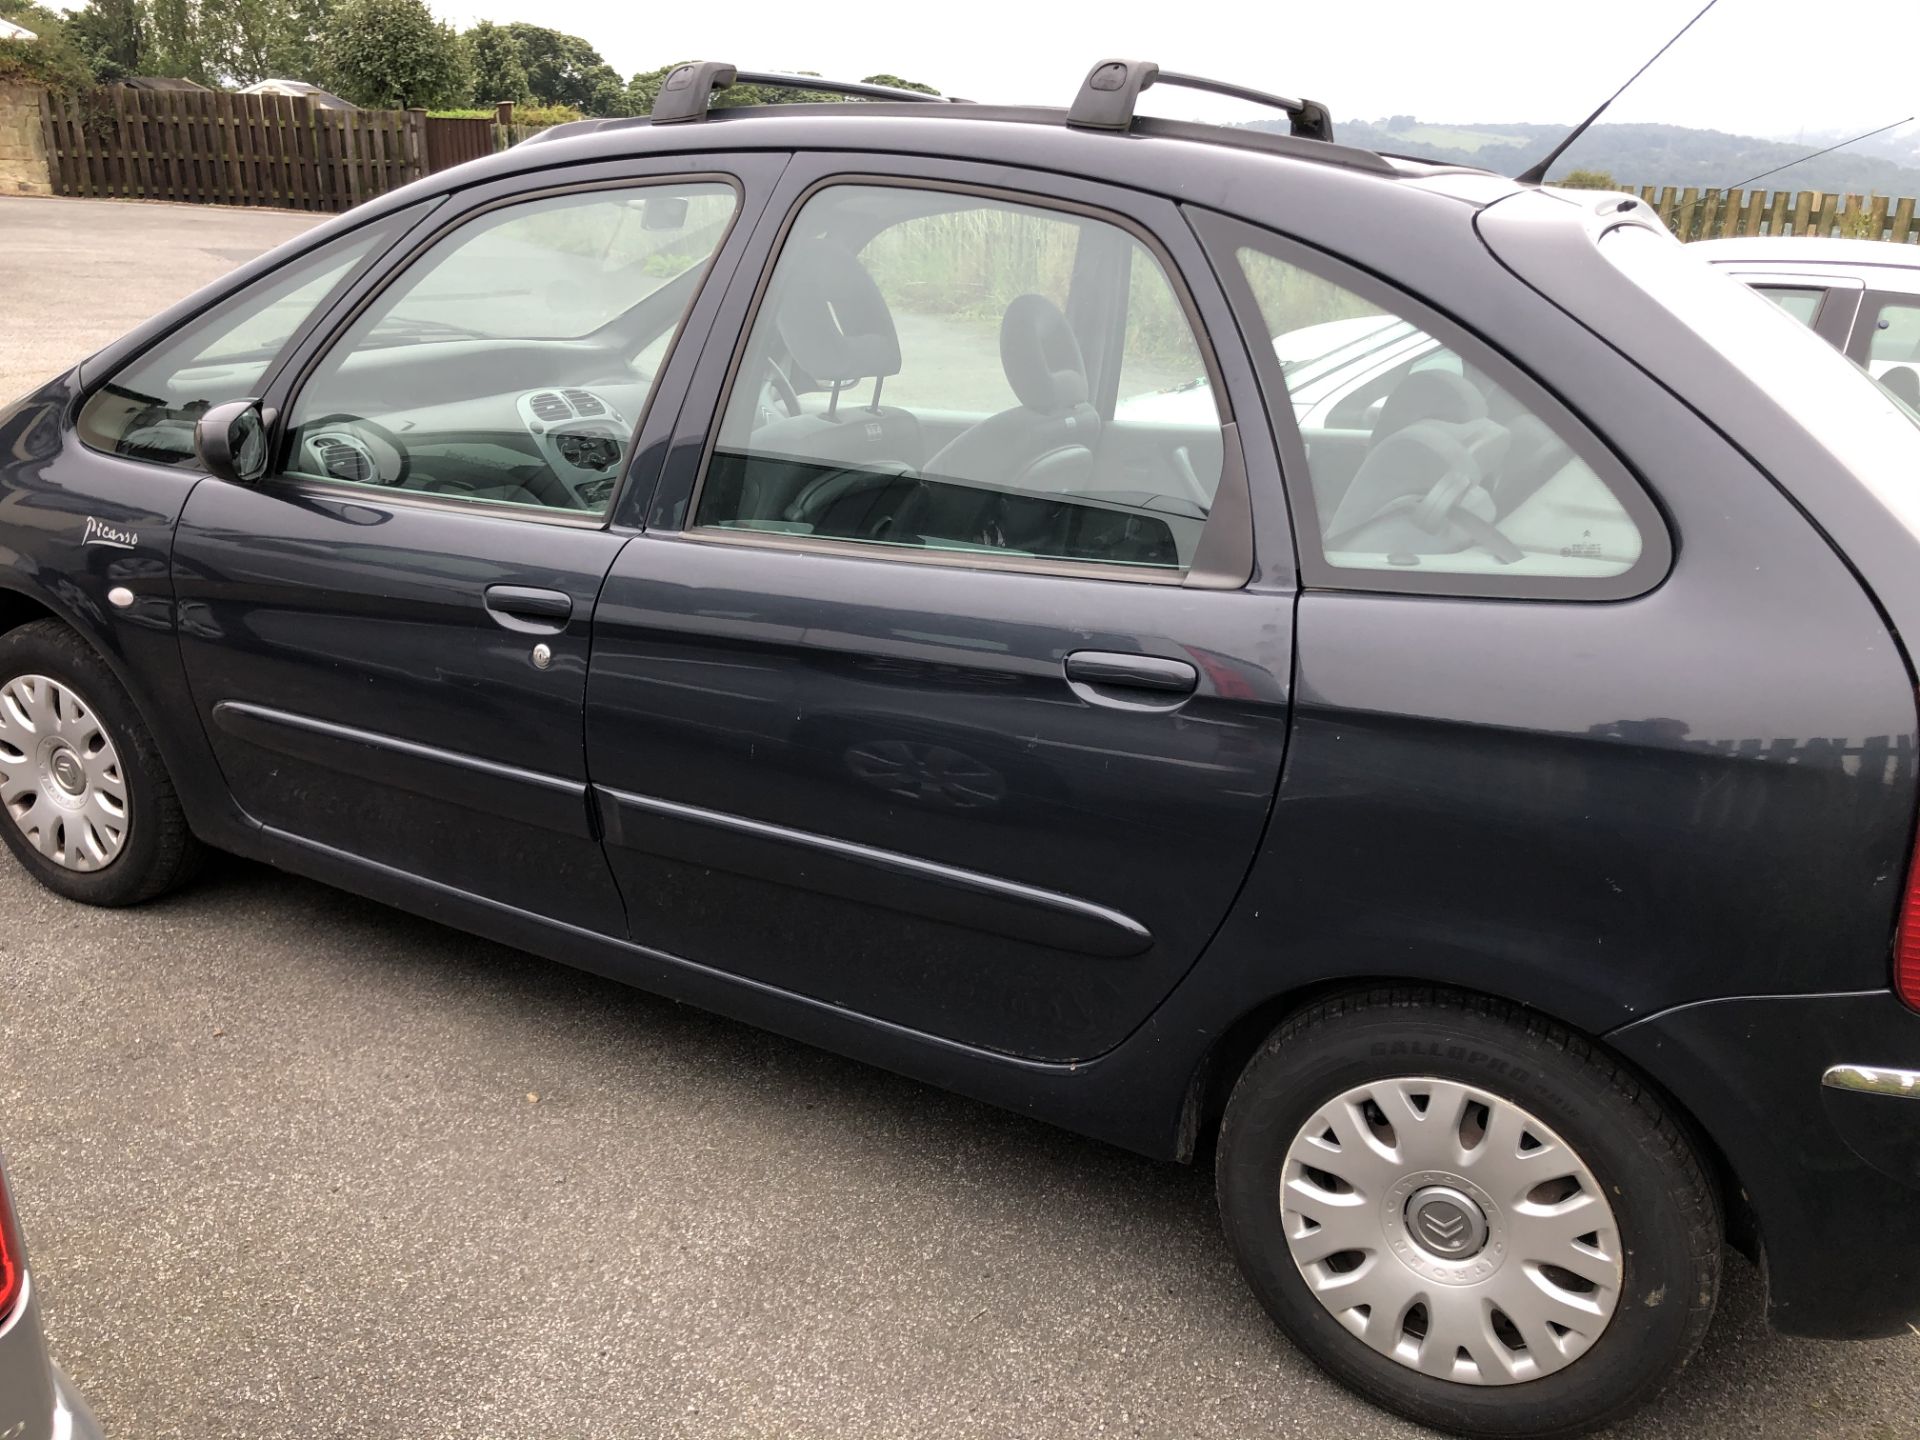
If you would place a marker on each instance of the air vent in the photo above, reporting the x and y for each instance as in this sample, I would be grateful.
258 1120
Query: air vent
586 403
341 459
549 407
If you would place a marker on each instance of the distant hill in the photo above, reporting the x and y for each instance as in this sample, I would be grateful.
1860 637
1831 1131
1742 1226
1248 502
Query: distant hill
1646 154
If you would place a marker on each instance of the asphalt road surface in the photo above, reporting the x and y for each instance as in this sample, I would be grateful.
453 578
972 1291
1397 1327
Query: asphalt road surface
293 1164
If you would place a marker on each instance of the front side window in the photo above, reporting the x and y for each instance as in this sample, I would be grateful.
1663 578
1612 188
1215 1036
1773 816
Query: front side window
148 410
932 371
1893 346
509 364
1422 465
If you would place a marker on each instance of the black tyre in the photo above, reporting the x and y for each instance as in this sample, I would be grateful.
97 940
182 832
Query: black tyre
85 801
1467 1214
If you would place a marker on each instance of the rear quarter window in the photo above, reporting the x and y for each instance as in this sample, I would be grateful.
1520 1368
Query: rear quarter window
1426 461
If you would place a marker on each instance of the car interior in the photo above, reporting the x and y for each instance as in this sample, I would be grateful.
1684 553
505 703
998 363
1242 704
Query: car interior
810 444
464 381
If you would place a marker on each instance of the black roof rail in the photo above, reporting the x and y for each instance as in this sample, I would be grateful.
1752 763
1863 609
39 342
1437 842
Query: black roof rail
1111 89
688 90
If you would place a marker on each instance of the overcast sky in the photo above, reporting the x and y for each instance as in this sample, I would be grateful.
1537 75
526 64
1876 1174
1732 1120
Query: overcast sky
1749 67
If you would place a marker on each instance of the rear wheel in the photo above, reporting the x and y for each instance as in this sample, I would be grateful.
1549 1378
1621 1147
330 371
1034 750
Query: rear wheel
85 802
1468 1214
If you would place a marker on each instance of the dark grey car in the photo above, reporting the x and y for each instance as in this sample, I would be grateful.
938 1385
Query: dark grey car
1452 767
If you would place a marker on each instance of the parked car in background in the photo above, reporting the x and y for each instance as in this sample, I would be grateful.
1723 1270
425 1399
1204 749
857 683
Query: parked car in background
36 1403
1863 296
1456 766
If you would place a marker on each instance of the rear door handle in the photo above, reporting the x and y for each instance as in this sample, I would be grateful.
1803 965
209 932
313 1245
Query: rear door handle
528 609
1107 669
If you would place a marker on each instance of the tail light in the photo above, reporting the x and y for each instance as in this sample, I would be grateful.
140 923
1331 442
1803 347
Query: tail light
1906 940
13 1262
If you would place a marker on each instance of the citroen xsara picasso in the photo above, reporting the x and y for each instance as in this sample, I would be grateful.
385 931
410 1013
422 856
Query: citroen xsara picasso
776 557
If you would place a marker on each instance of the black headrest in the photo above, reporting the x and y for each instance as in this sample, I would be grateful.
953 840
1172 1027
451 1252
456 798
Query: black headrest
1042 359
1903 381
1429 395
833 318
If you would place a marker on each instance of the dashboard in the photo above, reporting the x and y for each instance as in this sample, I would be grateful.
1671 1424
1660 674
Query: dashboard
559 446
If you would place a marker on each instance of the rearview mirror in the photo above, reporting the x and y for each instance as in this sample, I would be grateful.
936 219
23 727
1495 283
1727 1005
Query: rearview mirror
231 441
664 212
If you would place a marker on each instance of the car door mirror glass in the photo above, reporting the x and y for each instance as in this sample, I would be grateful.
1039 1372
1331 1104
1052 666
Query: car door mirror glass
231 441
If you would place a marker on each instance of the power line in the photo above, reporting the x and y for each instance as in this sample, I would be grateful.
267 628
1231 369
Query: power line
1818 153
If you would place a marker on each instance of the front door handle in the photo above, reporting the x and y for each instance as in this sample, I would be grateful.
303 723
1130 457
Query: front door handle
530 610
1107 669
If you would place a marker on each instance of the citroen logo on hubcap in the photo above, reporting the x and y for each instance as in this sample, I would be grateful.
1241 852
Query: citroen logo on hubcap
68 773
1446 1222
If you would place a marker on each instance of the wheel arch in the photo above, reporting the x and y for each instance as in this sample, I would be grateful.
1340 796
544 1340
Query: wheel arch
1227 1057
18 608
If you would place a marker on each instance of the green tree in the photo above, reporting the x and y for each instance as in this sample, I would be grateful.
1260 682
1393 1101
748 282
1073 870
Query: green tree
644 89
563 69
51 58
897 83
392 54
174 43
294 49
111 34
498 73
1587 180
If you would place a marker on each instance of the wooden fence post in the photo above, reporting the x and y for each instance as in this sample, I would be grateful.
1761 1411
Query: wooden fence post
416 135
1902 221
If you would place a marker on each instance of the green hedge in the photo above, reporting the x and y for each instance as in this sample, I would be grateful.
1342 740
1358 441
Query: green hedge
536 115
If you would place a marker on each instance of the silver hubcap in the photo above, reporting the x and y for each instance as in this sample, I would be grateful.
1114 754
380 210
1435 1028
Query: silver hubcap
1450 1230
60 776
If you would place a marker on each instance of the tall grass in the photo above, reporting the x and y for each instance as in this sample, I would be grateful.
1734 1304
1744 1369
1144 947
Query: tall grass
972 263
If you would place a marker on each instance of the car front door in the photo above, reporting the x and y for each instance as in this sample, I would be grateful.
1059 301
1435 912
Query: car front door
949 684
387 638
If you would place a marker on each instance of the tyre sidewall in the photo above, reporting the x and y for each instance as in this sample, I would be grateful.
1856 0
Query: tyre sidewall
31 651
1655 1326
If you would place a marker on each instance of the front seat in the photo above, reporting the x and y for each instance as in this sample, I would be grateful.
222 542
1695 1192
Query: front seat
838 332
1046 442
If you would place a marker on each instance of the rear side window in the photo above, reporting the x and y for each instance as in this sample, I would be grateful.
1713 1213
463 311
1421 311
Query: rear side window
1430 464
148 410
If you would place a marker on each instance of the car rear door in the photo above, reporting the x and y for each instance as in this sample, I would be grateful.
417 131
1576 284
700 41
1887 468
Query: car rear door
999 777
387 638
1820 297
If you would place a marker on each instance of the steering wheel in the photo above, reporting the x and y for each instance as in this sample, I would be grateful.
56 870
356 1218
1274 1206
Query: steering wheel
783 390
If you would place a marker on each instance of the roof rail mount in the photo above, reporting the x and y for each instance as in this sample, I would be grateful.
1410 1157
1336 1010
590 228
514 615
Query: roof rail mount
1112 88
687 92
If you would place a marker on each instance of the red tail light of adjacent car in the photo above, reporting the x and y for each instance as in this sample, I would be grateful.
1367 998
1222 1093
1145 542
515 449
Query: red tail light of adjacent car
1906 944
1906 939
13 1262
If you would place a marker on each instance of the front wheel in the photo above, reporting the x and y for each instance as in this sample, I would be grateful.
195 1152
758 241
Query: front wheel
1468 1214
85 801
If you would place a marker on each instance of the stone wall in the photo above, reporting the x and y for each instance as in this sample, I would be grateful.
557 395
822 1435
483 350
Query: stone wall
23 153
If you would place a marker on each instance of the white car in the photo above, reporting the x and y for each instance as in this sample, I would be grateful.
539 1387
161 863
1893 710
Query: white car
1861 295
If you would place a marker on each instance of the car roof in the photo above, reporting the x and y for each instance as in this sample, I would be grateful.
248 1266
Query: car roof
1800 250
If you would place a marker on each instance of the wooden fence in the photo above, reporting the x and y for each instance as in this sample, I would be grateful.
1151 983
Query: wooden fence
226 149
452 141
1695 214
